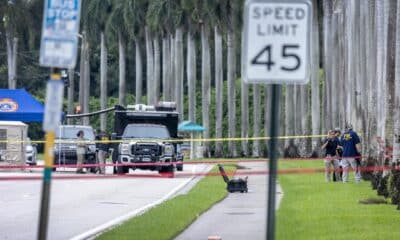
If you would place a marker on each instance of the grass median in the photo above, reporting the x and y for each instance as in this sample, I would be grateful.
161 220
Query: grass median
314 209
170 218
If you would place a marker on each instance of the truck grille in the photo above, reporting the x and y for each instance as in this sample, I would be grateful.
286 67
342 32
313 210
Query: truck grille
146 149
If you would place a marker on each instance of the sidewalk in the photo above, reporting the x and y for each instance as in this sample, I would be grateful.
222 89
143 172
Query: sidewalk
239 216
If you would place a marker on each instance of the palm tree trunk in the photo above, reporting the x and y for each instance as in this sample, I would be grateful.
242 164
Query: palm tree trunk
179 71
156 87
191 76
231 76
381 72
364 68
218 91
297 113
290 148
103 81
82 72
14 64
149 68
122 69
165 68
139 73
329 69
71 92
335 79
305 121
12 44
315 98
205 84
372 76
256 119
351 69
267 116
171 89
396 117
244 104
391 71
86 91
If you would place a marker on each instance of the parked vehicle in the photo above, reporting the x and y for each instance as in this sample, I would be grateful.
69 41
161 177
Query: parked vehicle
146 133
65 146
30 152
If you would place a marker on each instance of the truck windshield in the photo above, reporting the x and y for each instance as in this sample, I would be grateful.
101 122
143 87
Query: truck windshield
146 131
70 133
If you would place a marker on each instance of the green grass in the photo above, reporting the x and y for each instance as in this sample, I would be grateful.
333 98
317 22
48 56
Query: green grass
314 209
170 218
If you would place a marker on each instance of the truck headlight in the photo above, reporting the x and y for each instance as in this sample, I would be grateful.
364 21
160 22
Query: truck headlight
29 149
168 150
124 148
92 148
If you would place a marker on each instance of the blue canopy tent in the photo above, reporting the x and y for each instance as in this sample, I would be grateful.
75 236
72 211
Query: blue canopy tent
188 126
19 105
192 128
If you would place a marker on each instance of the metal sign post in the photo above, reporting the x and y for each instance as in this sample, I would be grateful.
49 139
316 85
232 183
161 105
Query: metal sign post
276 50
58 49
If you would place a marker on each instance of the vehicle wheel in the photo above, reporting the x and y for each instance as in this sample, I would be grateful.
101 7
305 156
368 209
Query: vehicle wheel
168 170
122 170
179 167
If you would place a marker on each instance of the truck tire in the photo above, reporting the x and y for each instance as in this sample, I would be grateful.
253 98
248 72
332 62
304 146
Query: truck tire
170 170
122 170
179 167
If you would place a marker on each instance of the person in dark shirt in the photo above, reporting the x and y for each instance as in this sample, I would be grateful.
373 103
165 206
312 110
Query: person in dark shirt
330 146
351 146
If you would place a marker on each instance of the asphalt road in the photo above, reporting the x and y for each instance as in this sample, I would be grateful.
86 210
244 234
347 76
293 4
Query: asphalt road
81 207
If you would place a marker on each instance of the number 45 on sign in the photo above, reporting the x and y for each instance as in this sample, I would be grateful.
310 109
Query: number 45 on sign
276 41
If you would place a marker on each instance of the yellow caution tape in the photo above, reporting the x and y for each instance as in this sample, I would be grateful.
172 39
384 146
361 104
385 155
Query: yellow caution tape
171 140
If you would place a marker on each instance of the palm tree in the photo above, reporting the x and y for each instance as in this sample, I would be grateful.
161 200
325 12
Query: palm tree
179 71
372 104
267 114
396 117
70 106
149 68
205 84
218 90
315 98
231 75
134 13
165 67
329 69
290 147
11 16
95 16
82 74
115 26
157 55
391 44
256 119
244 117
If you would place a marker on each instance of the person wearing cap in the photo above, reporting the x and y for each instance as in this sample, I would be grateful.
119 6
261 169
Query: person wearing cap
330 145
103 146
351 146
80 151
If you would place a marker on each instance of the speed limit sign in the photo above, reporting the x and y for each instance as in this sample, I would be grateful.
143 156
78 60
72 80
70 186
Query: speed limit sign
276 41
